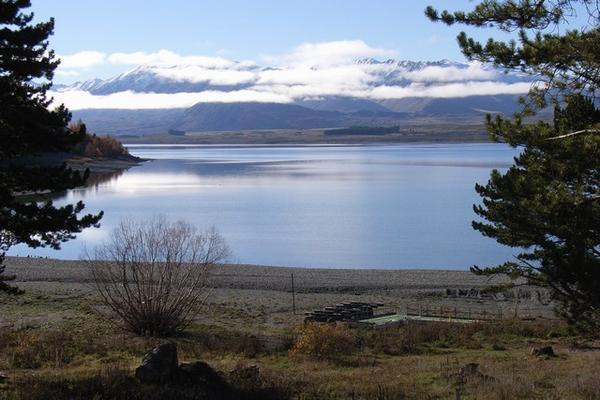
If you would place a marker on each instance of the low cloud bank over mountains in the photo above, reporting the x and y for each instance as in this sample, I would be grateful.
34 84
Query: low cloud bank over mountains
336 77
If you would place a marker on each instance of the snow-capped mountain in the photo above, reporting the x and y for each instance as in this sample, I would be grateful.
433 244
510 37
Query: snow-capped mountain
292 96
186 78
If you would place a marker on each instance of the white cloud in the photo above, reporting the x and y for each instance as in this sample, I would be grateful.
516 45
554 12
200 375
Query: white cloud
448 90
330 53
277 94
78 99
475 71
195 74
352 75
83 59
311 70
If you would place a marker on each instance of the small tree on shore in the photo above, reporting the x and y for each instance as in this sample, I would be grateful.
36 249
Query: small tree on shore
153 275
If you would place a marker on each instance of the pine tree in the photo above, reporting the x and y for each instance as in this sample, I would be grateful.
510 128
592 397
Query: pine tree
548 203
27 127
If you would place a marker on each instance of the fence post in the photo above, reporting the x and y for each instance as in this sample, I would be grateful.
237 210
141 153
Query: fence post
293 296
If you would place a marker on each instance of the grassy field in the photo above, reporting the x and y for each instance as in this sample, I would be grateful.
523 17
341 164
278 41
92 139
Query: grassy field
54 344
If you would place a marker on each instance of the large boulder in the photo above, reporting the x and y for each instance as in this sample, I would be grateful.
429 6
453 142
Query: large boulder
158 365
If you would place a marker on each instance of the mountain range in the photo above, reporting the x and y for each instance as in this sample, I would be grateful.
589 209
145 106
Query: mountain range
427 89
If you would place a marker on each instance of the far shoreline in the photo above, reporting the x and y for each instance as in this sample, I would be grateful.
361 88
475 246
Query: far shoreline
414 132
301 145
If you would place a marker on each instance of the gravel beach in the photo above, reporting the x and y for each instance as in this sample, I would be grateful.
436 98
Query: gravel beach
250 296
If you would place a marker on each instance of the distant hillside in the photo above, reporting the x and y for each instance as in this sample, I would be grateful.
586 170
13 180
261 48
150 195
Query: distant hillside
343 104
129 122
227 117
236 116
240 116
452 106
409 84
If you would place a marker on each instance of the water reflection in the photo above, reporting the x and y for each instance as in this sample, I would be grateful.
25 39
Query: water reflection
96 180
371 206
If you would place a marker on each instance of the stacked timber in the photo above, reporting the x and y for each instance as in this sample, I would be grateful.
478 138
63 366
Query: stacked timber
345 312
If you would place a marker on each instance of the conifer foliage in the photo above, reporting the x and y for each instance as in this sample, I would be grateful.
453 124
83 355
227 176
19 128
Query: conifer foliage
28 127
548 203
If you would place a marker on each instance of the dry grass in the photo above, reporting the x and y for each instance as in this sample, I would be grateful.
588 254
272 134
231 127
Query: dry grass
85 359
324 341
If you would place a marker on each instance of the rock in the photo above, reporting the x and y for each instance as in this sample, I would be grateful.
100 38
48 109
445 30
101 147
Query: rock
199 373
158 365
546 351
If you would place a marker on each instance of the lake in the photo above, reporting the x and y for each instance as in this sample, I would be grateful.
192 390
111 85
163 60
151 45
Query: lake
388 206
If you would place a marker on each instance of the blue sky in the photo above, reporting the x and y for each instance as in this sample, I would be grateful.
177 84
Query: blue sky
245 30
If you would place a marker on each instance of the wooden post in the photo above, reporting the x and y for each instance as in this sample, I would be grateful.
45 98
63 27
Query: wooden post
293 296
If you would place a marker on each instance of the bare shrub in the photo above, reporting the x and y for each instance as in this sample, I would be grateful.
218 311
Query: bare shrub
153 274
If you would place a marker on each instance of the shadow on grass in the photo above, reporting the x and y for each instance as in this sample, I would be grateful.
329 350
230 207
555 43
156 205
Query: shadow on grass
116 383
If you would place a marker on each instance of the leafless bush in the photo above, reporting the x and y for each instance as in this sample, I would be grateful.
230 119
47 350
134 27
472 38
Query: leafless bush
153 274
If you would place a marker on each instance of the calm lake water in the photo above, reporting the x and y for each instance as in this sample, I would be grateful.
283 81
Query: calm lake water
392 206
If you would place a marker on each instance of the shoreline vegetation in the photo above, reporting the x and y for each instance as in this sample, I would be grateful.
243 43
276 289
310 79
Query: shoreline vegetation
99 154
